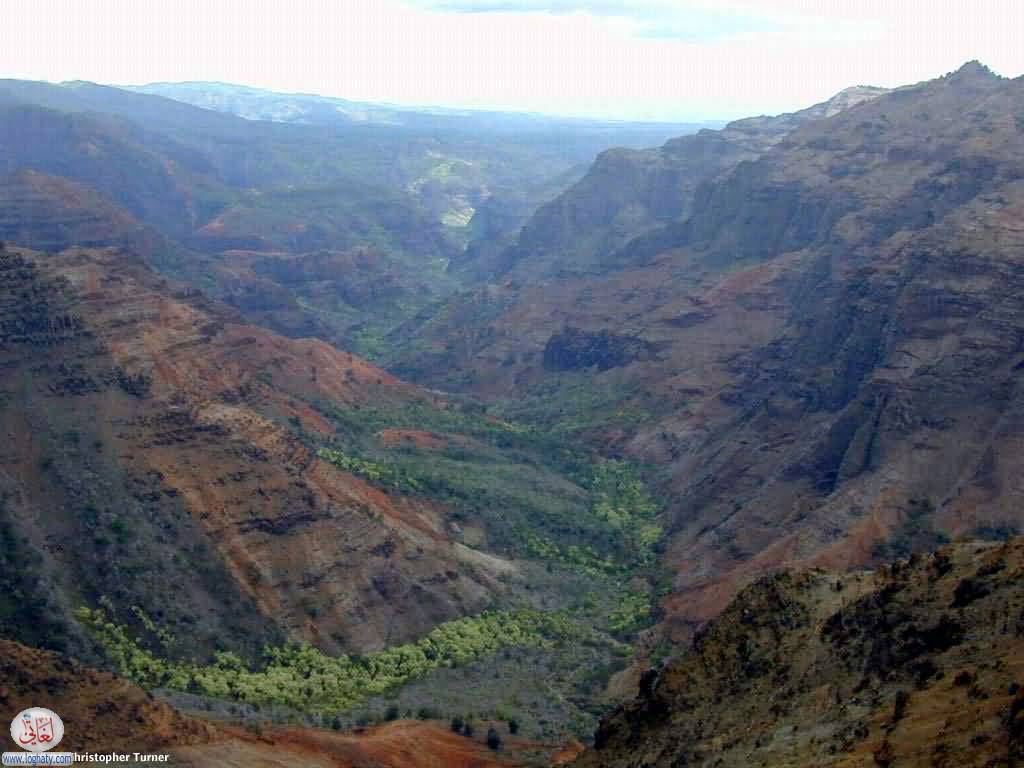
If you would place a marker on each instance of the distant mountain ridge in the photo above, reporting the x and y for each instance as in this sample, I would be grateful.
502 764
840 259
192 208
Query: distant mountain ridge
260 104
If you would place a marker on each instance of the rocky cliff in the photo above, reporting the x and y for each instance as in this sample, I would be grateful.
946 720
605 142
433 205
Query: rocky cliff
629 192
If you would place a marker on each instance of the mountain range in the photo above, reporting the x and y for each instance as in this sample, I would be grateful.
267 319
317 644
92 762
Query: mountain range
819 353
422 418
224 187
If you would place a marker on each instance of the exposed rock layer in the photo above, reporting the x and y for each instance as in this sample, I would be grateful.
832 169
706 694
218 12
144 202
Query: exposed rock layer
155 439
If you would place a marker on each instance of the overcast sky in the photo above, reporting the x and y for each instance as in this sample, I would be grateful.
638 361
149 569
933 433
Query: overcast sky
660 59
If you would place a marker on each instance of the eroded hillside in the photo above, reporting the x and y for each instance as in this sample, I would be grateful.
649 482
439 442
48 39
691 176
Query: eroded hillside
154 438
917 664
293 493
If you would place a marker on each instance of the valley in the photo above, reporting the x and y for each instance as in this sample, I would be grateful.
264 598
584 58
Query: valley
276 480
240 199
335 430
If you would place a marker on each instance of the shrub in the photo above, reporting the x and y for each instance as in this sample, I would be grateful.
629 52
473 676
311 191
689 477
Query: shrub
457 724
304 678
493 739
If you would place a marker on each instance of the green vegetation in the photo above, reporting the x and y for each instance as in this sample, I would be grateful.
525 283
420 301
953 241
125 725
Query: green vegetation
603 524
586 529
580 558
302 677
463 418
573 403
633 613
536 499
384 475
536 496
623 503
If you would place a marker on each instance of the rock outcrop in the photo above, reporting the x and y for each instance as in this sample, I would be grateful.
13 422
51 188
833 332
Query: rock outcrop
101 712
917 664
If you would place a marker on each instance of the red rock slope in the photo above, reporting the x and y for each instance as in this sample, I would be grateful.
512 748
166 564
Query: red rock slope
161 453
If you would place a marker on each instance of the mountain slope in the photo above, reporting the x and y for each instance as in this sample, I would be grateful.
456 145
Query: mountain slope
164 186
586 232
628 192
51 213
103 713
917 664
165 436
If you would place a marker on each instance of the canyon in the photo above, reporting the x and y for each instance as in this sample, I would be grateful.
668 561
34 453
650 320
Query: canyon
720 433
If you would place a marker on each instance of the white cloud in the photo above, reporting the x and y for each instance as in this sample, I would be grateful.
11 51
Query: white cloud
661 58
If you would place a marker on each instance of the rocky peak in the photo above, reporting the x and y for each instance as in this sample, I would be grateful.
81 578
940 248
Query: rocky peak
850 97
973 70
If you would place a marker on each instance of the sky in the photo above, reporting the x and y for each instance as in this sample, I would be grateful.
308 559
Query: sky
621 59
